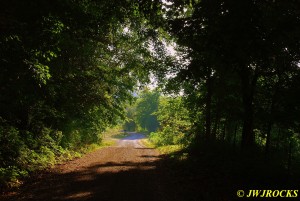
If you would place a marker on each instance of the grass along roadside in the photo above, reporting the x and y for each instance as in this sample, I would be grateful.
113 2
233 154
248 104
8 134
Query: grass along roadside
172 151
31 162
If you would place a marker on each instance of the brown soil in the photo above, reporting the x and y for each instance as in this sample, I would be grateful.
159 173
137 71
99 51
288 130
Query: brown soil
127 171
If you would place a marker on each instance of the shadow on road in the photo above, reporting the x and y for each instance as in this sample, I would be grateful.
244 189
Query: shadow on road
111 181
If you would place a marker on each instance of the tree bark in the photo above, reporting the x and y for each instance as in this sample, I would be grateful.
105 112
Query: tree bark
268 137
248 87
234 137
224 132
216 120
269 126
208 108
290 155
272 111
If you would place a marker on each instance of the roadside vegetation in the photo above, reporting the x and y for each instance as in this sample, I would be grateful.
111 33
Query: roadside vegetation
175 137
227 74
115 132
67 71
31 161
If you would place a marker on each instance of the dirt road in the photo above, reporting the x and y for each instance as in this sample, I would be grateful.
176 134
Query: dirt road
124 172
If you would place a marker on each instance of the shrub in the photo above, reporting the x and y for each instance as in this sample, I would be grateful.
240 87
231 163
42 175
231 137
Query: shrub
10 144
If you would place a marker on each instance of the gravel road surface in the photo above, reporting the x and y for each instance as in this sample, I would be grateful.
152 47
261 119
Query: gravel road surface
124 172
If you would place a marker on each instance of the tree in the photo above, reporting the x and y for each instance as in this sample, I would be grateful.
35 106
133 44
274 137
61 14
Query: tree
146 106
175 123
68 69
236 37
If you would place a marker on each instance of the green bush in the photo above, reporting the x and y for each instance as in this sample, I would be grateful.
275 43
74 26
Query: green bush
10 145
168 136
162 138
10 175
24 151
174 121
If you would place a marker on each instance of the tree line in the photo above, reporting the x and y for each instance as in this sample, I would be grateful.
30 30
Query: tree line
237 66
69 68
243 66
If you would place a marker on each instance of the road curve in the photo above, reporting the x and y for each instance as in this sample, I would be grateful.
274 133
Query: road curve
133 140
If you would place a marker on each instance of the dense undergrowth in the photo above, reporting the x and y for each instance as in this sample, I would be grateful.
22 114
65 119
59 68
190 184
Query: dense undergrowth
217 170
27 155
219 164
67 71
182 138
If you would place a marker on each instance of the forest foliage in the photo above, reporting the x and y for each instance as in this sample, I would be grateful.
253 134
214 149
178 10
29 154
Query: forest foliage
67 69
236 65
175 123
70 68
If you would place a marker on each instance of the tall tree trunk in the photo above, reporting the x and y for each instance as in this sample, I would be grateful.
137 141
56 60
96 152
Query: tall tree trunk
248 87
208 108
235 132
217 120
268 137
269 126
224 132
290 155
272 111
278 137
